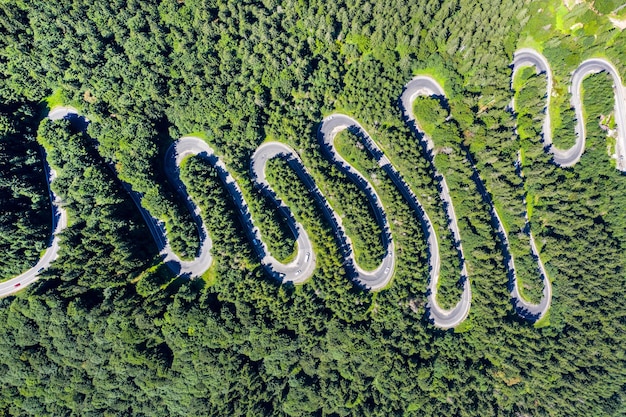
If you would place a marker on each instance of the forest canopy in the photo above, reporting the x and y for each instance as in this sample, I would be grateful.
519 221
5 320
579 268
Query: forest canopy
109 330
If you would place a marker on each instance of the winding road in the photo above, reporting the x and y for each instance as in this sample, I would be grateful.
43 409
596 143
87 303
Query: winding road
563 157
59 223
303 265
567 157
298 270
427 86
525 58
330 127
593 66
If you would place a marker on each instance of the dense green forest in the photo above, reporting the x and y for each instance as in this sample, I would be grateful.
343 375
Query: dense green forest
22 190
109 330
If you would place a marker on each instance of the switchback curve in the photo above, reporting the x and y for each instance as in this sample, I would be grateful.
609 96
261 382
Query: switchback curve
303 266
523 58
527 57
427 86
330 127
59 223
568 157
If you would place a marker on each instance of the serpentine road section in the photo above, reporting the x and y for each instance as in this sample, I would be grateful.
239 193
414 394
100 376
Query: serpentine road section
59 223
524 58
330 127
298 270
175 154
566 158
303 266
427 86
593 66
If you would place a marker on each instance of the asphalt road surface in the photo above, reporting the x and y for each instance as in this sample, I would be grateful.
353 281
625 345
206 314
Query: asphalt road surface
298 270
592 66
565 158
328 130
427 86
568 157
59 223
303 265
524 58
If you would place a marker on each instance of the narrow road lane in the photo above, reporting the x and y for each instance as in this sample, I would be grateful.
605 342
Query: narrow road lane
303 265
529 57
427 86
330 127
524 58
59 223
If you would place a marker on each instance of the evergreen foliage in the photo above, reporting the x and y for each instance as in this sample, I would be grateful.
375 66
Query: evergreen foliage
109 331
25 217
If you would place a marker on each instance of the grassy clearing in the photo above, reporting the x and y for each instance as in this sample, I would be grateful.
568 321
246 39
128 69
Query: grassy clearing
56 99
530 200
543 322
465 326
200 134
210 276
59 98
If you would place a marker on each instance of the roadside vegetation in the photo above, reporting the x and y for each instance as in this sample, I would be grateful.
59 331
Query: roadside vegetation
430 115
356 212
108 330
530 105
106 242
219 214
25 217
